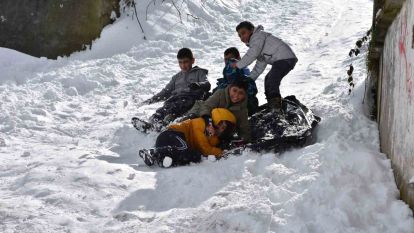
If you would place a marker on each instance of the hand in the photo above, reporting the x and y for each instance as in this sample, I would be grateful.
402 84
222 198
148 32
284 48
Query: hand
194 86
210 131
233 65
237 143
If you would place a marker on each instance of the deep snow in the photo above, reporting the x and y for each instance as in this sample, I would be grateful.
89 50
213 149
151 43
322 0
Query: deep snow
68 151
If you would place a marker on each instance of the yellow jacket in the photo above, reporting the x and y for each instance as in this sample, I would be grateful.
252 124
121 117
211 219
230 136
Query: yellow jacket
194 131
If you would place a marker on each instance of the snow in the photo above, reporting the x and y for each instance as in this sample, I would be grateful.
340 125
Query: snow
69 153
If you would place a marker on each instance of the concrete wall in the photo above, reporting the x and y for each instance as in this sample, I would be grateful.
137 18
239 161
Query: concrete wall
53 28
396 98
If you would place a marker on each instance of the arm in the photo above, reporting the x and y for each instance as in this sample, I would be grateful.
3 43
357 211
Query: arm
208 105
164 93
243 126
256 46
258 69
201 140
204 86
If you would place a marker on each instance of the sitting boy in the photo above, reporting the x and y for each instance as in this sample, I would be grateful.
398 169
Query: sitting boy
264 48
232 55
189 140
185 87
233 98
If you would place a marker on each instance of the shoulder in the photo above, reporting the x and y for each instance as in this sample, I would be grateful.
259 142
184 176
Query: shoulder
198 123
199 70
179 74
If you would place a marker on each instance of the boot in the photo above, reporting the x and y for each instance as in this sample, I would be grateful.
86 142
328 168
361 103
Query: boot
163 157
275 104
147 156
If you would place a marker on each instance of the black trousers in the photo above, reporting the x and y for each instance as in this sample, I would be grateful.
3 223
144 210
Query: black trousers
175 106
279 70
172 143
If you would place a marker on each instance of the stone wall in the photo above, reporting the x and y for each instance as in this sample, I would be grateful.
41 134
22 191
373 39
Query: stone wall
52 28
393 42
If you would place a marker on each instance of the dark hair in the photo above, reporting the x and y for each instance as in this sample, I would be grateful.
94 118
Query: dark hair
228 132
245 24
185 53
233 51
240 82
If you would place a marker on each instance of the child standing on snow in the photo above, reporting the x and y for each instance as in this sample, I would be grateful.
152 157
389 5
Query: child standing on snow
232 55
233 98
189 140
266 49
185 87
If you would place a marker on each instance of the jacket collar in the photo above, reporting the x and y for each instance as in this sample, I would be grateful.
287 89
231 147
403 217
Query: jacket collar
257 29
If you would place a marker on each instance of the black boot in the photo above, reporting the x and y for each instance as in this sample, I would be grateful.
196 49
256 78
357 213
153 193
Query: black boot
275 104
163 157
147 156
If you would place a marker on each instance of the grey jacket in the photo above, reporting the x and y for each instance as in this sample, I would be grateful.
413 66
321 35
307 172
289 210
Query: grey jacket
266 49
179 84
221 99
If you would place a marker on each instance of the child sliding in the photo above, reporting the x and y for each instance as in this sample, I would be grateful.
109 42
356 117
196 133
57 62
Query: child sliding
189 140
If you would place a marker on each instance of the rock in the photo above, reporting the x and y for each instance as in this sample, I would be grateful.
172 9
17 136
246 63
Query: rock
52 28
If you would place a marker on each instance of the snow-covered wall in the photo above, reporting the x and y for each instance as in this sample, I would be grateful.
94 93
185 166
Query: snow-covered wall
396 99
51 28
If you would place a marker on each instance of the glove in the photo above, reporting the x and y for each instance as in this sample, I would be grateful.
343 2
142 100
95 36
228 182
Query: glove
207 119
194 86
235 151
209 122
237 143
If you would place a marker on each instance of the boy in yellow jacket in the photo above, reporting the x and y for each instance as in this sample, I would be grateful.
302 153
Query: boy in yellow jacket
187 141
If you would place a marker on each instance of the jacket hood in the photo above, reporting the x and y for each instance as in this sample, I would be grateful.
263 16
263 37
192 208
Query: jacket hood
222 114
196 68
258 28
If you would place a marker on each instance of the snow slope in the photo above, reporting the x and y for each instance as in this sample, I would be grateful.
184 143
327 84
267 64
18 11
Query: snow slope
68 152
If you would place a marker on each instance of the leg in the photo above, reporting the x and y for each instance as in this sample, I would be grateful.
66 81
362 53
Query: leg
172 144
272 81
173 108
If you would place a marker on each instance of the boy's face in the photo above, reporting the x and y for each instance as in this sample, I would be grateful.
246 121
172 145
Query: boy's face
229 56
237 94
186 64
244 34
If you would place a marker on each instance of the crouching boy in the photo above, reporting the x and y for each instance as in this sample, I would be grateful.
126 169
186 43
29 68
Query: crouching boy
265 48
189 140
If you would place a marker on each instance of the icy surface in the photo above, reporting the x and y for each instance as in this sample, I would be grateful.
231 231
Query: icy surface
69 154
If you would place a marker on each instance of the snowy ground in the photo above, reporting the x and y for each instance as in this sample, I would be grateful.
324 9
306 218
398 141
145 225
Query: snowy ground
68 151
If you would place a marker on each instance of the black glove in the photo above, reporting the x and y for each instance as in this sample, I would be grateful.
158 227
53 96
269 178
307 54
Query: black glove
194 86
145 102
207 119
237 143
235 151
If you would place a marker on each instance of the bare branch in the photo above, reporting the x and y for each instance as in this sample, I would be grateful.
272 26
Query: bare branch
136 15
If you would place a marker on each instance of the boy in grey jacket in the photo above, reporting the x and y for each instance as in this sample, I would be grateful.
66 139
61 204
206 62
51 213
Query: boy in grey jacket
180 94
266 49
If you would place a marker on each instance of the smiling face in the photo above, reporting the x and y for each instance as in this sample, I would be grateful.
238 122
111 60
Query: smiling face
237 94
186 64
245 34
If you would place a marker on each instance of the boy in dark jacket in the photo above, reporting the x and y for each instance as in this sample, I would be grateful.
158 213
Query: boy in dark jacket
189 140
232 55
180 94
264 48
